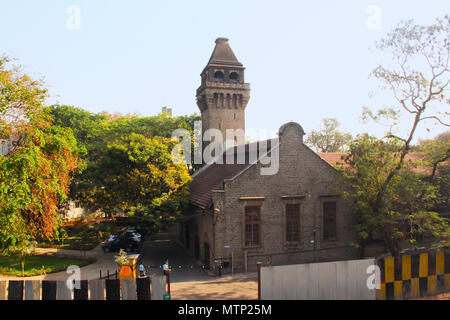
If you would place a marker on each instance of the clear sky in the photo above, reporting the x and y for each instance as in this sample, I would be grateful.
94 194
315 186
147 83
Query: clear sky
305 60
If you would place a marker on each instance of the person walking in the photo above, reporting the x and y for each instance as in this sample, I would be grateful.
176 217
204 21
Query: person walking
166 267
142 271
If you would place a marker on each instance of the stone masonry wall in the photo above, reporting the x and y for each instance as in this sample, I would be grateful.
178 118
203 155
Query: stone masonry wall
301 173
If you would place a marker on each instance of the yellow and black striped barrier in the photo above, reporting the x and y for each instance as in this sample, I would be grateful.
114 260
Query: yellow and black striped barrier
413 276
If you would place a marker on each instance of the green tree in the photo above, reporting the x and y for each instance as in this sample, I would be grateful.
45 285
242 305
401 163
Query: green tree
328 139
86 126
379 176
129 165
435 154
136 175
35 175
22 250
94 131
419 92
406 211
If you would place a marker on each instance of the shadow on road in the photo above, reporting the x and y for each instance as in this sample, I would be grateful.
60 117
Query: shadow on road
164 246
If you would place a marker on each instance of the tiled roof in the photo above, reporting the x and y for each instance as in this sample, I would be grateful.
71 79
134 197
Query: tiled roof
211 177
334 158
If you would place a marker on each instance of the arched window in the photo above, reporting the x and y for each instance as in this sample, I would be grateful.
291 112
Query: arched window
234 77
218 76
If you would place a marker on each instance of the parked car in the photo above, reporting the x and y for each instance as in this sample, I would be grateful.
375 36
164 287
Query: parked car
132 234
111 238
141 231
128 241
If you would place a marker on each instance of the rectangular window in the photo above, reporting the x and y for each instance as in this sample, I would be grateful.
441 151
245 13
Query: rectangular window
252 225
292 222
329 220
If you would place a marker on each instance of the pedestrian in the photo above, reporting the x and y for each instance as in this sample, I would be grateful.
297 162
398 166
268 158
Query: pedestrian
142 271
166 267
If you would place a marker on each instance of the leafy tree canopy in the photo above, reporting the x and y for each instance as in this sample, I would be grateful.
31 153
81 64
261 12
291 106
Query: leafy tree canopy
406 210
393 201
129 163
35 175
435 154
328 139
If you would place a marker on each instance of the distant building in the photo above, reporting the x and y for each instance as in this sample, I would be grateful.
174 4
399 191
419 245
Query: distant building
73 210
167 110
6 145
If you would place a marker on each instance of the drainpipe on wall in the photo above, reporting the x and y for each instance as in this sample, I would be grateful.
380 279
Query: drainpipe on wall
245 260
232 263
214 239
314 247
215 211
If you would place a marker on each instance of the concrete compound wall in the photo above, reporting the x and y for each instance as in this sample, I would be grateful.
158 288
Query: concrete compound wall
342 280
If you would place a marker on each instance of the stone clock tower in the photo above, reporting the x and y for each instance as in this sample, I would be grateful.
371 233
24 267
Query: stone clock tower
223 94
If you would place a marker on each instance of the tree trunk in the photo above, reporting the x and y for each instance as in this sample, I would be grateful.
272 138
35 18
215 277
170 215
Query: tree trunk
393 247
361 249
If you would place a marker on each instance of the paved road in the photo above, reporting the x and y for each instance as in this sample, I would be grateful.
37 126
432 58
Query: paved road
154 252
165 246
186 283
237 287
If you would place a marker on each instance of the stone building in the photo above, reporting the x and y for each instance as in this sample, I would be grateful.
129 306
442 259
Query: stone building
223 95
6 145
240 216
73 210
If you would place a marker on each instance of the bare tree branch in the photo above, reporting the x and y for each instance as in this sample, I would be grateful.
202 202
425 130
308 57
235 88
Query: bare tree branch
437 119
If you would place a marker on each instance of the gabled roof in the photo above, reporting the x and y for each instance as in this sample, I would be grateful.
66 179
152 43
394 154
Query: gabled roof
211 176
211 179
223 55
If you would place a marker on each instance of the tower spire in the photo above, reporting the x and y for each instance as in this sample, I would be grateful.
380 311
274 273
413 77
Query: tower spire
223 95
223 55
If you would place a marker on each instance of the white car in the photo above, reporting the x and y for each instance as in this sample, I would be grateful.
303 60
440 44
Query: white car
134 235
